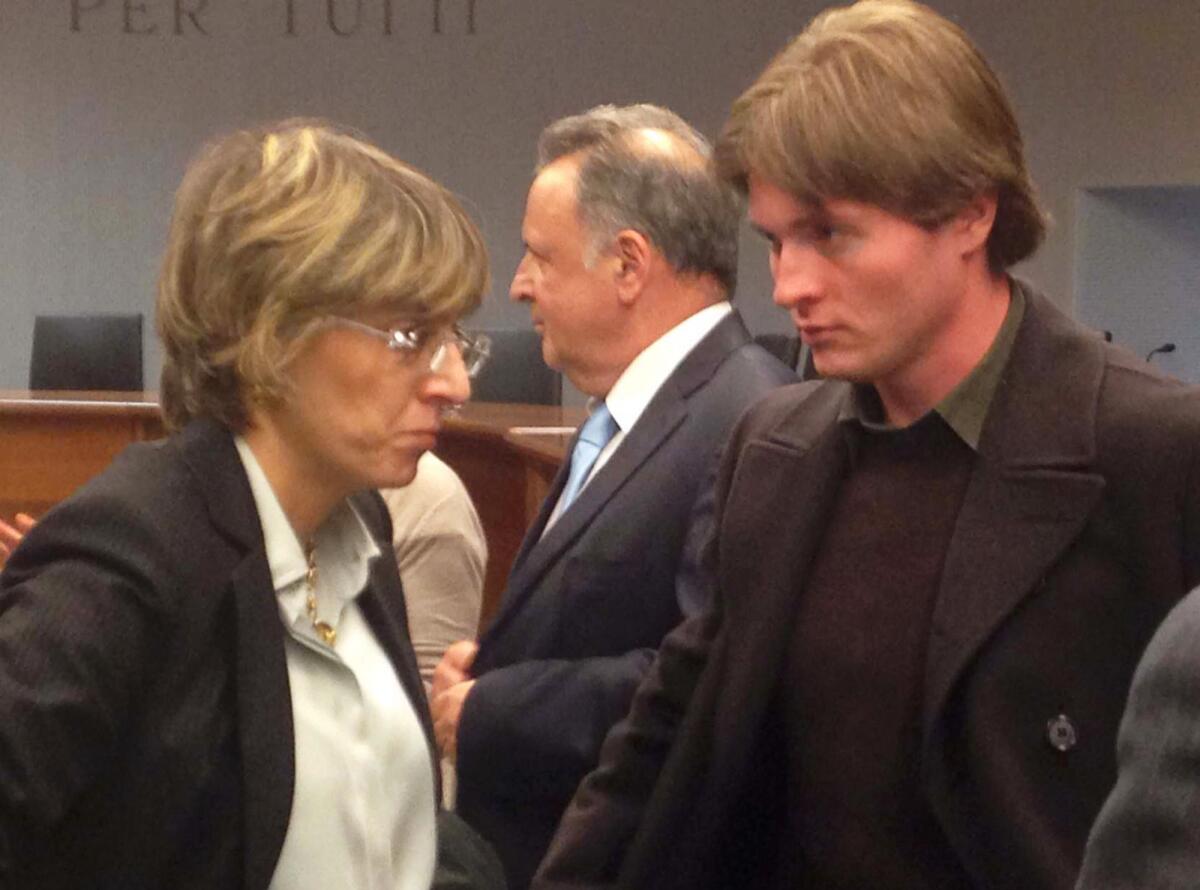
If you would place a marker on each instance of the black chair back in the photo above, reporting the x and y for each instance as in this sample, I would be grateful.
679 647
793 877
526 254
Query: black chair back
88 352
789 350
516 373
785 347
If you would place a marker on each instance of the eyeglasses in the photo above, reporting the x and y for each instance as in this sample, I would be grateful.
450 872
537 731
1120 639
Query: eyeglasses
474 348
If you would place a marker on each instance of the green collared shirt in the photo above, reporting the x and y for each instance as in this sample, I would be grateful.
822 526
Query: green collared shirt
965 407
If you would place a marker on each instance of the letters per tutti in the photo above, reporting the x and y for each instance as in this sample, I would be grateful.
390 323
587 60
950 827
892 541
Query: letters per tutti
343 18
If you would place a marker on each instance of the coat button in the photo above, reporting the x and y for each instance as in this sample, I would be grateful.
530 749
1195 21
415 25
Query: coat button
1061 733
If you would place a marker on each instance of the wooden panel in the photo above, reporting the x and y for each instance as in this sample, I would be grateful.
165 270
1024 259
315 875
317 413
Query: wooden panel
507 455
495 479
51 443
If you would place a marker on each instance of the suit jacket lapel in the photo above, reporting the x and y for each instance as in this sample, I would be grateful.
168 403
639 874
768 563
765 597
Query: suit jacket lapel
264 707
533 534
665 412
1033 490
651 430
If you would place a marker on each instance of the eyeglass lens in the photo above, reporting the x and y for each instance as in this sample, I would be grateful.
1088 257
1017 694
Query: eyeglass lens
472 348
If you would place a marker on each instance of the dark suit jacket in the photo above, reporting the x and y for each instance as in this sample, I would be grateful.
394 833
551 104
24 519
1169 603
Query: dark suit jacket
1148 834
145 718
587 604
1079 529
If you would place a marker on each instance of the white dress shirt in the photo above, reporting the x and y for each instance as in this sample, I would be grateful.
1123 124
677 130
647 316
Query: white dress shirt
645 375
363 815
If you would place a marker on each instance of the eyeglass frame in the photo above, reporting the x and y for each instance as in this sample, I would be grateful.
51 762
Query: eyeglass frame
473 348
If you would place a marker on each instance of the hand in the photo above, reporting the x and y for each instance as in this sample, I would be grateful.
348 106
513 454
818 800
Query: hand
451 683
11 535
447 711
455 666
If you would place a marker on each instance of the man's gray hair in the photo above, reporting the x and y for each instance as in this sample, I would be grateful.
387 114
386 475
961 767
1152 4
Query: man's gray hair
644 168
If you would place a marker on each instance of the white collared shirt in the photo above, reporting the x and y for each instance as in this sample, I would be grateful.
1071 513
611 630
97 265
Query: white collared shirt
362 814
645 375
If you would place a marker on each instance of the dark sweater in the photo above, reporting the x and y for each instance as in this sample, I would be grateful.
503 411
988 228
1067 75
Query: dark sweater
850 699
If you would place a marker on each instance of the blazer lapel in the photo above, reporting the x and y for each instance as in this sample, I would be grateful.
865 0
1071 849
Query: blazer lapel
384 606
264 720
264 707
1032 492
391 630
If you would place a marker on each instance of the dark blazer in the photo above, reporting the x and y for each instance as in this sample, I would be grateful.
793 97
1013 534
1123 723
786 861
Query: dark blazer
145 718
586 605
1148 834
1079 529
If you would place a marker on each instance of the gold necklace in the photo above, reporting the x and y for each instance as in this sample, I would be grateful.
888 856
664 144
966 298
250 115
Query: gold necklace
325 631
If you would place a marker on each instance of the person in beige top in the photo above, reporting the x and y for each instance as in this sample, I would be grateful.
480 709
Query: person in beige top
442 554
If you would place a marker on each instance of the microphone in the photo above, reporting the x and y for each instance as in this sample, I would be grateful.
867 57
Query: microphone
1164 349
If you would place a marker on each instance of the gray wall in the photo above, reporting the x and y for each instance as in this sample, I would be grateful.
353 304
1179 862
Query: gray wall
1139 271
96 124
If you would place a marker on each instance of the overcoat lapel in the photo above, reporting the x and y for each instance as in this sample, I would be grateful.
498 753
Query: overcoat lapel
264 714
778 506
666 411
1029 497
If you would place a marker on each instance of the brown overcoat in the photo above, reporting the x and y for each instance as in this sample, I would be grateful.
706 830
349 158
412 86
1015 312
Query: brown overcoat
1079 530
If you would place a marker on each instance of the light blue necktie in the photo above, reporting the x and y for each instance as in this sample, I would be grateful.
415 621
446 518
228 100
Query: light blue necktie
597 430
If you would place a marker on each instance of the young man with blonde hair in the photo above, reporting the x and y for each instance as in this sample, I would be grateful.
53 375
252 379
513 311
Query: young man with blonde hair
934 572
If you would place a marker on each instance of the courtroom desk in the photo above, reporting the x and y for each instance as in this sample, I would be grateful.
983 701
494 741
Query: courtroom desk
507 456
53 442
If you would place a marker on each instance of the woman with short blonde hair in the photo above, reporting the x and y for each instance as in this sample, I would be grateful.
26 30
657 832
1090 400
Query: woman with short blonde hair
205 673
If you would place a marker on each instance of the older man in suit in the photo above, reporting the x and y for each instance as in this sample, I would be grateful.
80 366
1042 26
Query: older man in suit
913 680
631 252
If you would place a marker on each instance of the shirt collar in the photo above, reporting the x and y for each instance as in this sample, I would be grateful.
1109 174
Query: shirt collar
344 546
643 377
965 407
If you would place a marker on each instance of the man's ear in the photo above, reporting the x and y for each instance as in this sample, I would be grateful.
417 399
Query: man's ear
975 221
633 254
